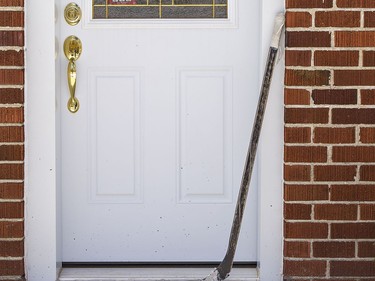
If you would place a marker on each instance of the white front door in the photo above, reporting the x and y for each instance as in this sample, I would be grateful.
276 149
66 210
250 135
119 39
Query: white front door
152 161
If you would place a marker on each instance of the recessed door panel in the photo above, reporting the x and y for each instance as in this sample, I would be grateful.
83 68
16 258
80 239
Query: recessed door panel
205 147
115 136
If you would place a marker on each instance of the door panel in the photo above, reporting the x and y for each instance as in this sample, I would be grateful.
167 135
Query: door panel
114 120
152 161
205 136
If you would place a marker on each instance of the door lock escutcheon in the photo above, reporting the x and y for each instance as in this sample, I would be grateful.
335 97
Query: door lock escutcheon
72 14
72 51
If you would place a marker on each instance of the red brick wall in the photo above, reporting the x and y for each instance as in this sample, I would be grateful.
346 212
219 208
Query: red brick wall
329 173
11 139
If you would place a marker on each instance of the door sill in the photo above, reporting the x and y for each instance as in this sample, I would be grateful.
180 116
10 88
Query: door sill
151 274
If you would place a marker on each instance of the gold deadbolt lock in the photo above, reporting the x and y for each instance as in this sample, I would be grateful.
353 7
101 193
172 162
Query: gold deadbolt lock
72 13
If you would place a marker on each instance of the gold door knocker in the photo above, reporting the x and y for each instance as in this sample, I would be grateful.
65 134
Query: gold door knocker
72 50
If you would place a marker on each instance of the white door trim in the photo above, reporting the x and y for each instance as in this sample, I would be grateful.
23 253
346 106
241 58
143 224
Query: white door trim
230 22
43 247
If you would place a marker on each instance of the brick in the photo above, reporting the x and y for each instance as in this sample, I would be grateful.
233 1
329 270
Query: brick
11 190
297 212
297 58
305 154
296 97
11 77
308 39
305 268
368 58
11 267
353 154
297 172
10 229
11 115
335 212
336 58
338 19
11 249
297 135
298 19
12 18
297 77
12 3
353 115
367 212
369 19
11 58
366 249
353 230
334 173
368 97
11 210
12 38
306 230
355 39
354 77
334 96
352 268
11 96
296 249
367 173
307 115
309 4
356 3
367 135
11 171
337 279
11 152
334 249
334 135
353 193
12 134
305 192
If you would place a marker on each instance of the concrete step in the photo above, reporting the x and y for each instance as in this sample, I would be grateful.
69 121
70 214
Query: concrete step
151 274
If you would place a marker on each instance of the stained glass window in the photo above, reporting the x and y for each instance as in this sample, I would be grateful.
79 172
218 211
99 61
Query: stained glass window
160 9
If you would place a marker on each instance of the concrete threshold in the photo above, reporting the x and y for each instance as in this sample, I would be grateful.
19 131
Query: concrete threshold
151 274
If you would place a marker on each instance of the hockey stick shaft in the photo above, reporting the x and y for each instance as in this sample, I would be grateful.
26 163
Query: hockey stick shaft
226 265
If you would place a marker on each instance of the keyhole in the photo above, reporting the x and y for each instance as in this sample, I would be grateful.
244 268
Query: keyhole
72 14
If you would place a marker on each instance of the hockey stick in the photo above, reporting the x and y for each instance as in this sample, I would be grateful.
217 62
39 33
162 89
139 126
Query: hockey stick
225 267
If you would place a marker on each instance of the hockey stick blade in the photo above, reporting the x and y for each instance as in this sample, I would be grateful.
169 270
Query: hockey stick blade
223 270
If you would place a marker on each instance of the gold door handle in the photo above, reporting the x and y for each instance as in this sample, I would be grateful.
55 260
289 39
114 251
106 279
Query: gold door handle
72 50
73 103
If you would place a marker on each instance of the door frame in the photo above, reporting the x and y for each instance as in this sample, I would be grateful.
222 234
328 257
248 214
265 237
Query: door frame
43 208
